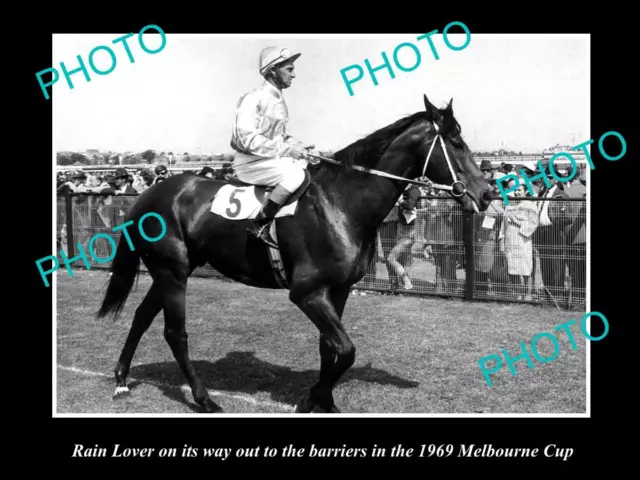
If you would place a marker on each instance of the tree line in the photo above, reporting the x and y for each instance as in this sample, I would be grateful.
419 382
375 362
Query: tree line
148 156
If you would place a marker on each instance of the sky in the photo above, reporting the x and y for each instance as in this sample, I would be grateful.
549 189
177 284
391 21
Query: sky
523 92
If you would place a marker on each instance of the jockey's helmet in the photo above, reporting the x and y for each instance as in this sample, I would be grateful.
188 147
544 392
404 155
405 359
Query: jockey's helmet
272 56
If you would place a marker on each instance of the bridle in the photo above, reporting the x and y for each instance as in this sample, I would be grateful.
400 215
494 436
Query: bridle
463 187
455 192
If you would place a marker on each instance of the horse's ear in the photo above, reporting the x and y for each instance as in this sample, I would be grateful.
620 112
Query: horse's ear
447 113
429 107
448 120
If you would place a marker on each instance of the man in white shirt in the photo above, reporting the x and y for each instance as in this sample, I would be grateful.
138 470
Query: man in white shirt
266 154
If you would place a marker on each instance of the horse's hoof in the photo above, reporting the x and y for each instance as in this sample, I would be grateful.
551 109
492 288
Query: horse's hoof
318 409
302 406
121 392
211 407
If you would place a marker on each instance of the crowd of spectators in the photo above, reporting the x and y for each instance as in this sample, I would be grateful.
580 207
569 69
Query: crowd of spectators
508 238
123 181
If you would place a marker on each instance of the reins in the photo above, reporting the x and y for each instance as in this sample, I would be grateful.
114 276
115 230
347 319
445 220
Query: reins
372 171
424 169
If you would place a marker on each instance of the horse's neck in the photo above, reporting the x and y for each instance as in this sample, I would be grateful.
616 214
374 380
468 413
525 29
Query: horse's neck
365 199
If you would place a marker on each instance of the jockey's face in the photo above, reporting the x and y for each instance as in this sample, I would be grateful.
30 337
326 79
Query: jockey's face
286 73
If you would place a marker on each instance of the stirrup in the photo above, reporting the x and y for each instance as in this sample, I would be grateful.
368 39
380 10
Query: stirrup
262 234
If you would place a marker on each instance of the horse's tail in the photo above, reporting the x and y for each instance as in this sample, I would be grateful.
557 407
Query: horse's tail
124 270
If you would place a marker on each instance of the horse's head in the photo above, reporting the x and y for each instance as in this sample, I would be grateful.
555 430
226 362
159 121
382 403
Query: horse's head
445 158
427 143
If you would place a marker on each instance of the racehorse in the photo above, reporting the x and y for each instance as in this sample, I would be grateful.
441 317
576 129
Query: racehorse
326 245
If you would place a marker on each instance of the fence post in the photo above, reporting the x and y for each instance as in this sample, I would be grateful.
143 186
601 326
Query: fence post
69 209
468 235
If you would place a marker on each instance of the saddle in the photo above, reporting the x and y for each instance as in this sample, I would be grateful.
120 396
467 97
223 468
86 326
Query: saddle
262 191
238 200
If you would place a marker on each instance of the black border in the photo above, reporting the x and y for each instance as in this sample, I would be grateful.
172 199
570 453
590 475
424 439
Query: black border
598 438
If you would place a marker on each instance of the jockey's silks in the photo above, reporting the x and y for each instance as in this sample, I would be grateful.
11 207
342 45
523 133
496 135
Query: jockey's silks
260 129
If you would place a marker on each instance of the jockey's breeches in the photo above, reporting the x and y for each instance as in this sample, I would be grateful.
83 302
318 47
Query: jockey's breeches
286 172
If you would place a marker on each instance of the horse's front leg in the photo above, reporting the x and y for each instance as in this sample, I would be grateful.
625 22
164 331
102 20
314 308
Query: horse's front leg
337 352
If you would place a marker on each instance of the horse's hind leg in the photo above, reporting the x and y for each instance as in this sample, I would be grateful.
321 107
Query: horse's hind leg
145 313
174 286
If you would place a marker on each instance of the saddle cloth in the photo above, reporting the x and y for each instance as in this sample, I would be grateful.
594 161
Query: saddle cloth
243 203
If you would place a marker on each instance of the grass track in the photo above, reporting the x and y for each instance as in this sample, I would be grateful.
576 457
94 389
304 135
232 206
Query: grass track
258 353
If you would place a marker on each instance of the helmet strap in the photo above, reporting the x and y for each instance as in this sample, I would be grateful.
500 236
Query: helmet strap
276 78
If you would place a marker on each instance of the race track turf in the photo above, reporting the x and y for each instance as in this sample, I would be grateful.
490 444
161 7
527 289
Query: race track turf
257 353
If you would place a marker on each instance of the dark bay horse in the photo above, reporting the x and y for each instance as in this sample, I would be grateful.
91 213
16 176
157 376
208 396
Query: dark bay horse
325 246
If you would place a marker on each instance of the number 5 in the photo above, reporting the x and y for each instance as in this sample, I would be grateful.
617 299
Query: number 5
236 202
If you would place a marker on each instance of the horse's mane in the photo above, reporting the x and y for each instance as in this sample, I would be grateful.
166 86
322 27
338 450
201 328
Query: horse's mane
367 150
371 147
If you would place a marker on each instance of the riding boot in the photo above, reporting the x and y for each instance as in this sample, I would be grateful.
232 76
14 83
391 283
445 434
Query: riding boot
263 221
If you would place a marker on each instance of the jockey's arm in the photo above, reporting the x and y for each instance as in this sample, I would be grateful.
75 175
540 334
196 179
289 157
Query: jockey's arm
291 140
250 137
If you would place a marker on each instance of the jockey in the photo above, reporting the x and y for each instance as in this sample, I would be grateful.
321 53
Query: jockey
266 154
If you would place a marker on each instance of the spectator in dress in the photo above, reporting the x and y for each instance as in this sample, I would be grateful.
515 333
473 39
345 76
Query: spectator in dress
520 221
